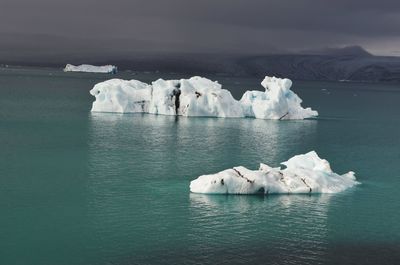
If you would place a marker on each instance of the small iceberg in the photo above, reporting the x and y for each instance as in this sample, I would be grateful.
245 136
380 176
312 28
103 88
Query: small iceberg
198 96
306 173
110 69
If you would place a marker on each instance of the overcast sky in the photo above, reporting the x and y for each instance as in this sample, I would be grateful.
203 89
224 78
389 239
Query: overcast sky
213 26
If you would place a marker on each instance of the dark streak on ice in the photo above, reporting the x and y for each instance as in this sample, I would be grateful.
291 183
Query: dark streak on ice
177 93
284 116
304 180
240 175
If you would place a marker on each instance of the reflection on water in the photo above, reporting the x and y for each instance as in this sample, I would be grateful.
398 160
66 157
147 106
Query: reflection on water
284 229
244 203
204 139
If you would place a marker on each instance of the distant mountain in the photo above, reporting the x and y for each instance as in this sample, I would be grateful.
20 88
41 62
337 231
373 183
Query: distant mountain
326 67
350 63
336 66
354 50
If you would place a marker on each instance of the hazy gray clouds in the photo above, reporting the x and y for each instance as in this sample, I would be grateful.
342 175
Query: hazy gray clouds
42 27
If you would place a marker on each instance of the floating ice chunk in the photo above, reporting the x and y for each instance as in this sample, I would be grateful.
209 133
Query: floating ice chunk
117 95
91 68
199 96
196 96
164 96
278 102
203 97
303 174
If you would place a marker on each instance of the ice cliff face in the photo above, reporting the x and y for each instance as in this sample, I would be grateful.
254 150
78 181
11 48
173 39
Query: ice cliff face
303 174
199 96
91 68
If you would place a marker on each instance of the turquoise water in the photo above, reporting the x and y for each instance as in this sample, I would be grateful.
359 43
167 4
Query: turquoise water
83 188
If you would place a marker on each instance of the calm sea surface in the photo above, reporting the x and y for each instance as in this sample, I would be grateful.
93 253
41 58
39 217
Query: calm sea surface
81 188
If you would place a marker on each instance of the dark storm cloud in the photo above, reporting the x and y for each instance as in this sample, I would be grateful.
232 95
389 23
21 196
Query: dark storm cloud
29 27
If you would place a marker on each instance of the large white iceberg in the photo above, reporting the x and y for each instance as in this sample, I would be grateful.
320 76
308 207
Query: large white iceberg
91 68
198 96
305 173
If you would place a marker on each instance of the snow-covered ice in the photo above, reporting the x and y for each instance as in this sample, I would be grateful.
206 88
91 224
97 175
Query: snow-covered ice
198 96
277 102
91 68
122 96
306 173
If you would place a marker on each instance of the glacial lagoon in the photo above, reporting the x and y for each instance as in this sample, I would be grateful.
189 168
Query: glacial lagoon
96 188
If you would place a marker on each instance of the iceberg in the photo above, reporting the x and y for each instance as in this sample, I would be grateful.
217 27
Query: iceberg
91 68
277 102
199 96
306 173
